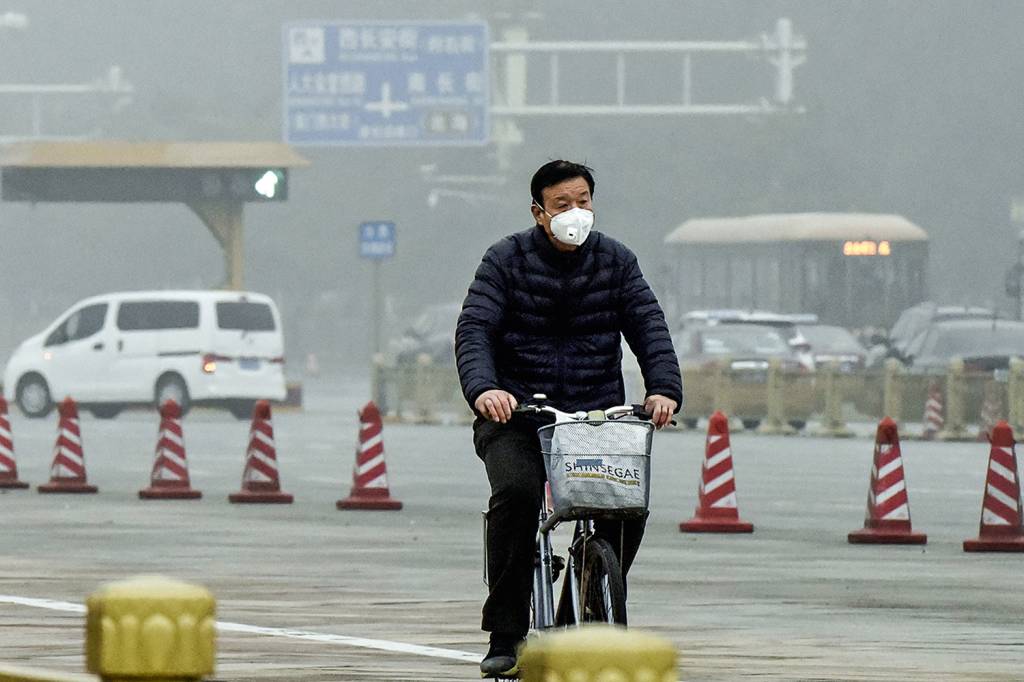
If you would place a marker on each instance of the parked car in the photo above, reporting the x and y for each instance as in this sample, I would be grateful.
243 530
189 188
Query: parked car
431 333
916 320
748 348
983 345
786 323
828 343
108 352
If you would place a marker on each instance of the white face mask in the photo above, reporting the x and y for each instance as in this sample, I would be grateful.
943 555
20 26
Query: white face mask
572 226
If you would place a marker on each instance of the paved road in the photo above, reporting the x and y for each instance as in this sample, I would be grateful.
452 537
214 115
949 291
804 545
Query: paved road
791 601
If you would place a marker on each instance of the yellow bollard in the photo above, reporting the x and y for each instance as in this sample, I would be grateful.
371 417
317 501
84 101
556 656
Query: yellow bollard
405 378
1015 394
723 390
378 387
892 394
426 390
832 422
775 397
150 628
956 398
599 653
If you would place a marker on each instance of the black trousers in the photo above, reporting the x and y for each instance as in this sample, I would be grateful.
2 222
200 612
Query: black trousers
515 469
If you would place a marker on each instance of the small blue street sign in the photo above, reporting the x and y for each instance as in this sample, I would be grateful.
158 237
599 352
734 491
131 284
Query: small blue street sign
386 83
377 240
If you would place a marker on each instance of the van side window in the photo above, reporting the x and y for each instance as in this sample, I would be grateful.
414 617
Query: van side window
80 324
245 316
151 315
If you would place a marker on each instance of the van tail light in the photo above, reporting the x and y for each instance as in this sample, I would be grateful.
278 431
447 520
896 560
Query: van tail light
279 360
210 362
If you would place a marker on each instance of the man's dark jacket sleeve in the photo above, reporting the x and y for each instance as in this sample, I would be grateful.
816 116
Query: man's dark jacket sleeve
478 325
647 334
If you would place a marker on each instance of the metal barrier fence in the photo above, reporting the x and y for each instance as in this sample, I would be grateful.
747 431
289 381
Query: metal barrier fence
775 400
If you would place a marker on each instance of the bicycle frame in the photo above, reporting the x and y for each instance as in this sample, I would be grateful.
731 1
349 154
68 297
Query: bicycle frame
543 579
543 576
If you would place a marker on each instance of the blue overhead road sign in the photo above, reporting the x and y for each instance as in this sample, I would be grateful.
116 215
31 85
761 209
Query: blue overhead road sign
377 240
385 83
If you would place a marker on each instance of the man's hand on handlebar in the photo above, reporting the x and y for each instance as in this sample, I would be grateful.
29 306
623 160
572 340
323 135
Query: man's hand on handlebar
660 408
496 405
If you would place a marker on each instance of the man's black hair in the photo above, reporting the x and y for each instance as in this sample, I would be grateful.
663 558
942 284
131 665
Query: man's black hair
554 172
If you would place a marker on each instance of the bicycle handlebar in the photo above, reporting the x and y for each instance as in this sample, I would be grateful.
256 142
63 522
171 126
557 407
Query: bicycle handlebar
616 412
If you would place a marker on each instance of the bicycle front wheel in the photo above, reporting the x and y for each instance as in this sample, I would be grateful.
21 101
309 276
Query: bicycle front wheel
603 595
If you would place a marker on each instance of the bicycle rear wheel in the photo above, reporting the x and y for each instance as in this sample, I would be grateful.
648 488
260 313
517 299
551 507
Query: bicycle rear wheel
603 595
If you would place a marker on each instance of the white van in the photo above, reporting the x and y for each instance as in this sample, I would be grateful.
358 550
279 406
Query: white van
107 352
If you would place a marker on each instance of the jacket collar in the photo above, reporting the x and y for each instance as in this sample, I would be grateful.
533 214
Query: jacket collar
563 260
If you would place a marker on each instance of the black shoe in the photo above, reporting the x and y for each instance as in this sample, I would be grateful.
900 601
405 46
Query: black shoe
502 659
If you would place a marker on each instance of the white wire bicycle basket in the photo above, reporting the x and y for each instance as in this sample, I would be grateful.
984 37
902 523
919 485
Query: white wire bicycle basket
598 469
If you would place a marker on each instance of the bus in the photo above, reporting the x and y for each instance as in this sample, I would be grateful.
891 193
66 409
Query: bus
851 269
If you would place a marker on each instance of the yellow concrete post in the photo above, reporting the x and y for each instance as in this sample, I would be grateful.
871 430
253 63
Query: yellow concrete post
599 653
775 397
426 390
832 422
1015 397
379 388
892 393
723 390
956 399
150 628
405 375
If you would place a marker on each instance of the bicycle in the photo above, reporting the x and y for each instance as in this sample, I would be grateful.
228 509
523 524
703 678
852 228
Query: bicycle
597 465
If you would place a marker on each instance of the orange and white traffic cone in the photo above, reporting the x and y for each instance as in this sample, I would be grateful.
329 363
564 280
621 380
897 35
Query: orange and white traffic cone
933 419
67 473
370 476
1001 523
260 480
717 511
8 465
169 479
887 519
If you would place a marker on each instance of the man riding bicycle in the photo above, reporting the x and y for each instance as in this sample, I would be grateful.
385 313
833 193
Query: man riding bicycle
546 313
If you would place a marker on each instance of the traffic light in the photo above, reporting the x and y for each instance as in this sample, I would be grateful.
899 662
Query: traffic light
248 184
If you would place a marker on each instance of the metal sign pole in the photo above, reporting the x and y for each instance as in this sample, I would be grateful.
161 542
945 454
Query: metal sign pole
377 243
377 305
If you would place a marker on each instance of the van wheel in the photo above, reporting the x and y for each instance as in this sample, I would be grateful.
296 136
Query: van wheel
33 396
241 409
172 387
751 424
106 411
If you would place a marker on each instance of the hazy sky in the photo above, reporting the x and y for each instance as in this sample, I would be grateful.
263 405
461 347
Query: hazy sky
909 110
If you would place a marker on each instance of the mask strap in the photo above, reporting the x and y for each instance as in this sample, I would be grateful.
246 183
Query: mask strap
543 209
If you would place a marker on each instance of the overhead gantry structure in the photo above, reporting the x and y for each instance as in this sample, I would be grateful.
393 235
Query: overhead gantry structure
214 179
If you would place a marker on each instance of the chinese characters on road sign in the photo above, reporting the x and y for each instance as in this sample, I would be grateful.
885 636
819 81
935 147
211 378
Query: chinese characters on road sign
372 83
377 240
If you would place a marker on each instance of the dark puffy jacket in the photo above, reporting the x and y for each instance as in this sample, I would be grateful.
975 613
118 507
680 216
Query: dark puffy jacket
537 320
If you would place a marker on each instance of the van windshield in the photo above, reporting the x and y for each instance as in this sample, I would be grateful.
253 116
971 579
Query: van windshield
245 316
80 324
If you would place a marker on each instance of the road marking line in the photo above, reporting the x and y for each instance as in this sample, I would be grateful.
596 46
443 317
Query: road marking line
361 642
288 633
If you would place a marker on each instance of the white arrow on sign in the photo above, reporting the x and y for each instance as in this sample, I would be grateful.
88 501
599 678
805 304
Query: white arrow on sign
386 105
